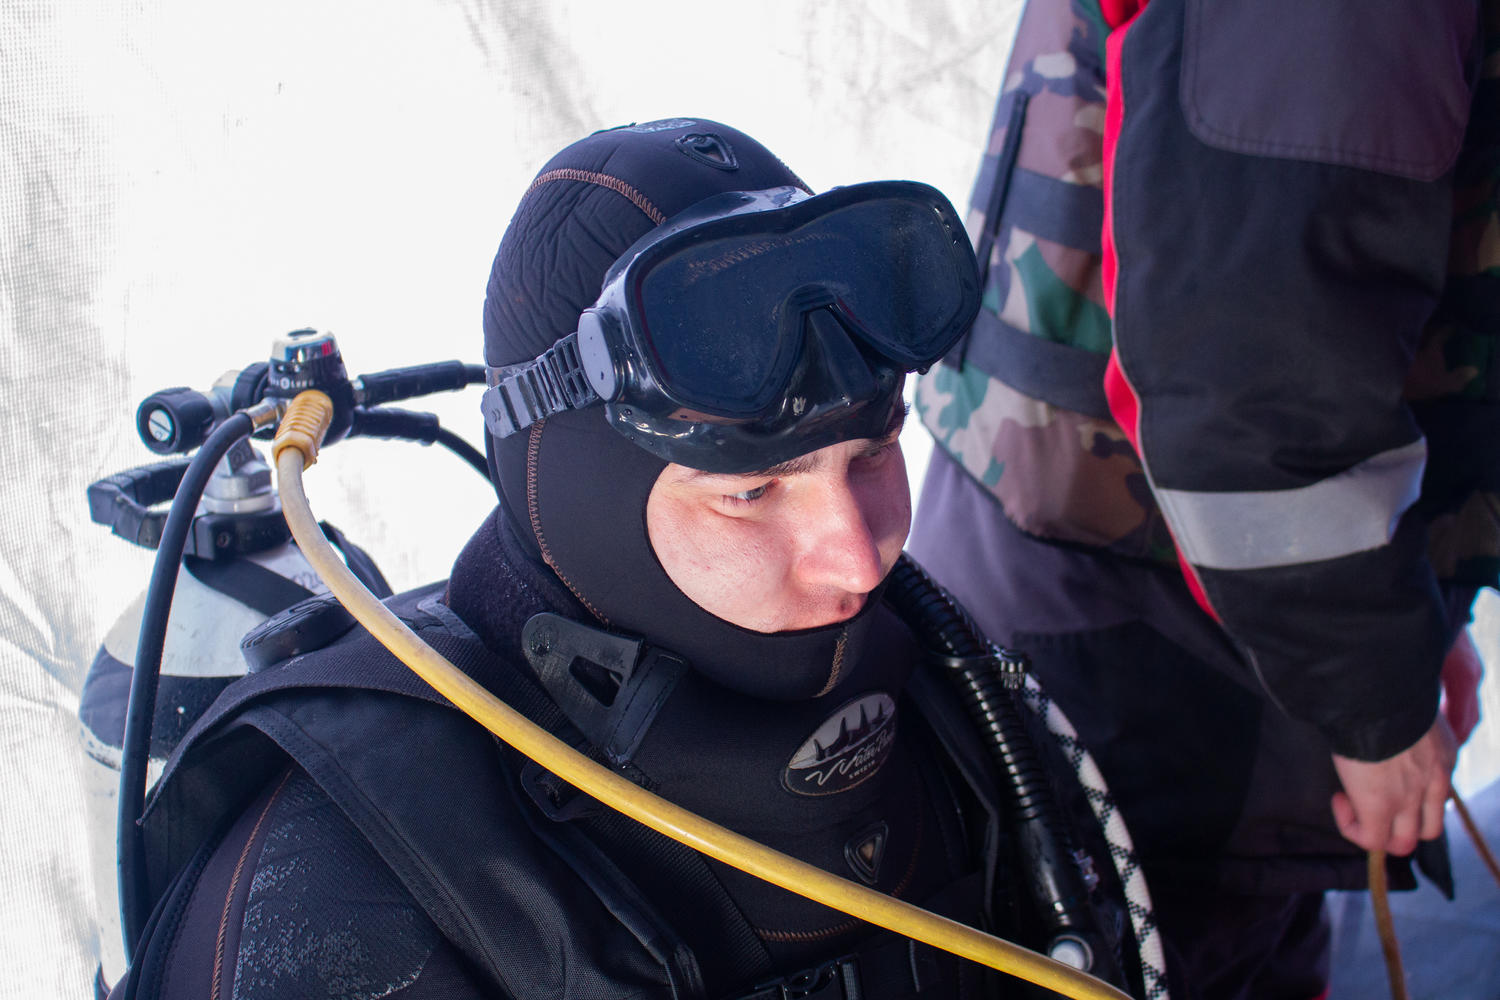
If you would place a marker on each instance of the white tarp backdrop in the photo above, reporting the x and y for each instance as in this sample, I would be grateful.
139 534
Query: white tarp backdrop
181 182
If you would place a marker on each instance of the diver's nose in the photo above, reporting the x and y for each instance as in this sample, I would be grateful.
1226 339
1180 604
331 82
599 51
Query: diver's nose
842 529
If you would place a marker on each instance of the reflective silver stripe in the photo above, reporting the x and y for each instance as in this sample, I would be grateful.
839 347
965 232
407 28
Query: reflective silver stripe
1354 511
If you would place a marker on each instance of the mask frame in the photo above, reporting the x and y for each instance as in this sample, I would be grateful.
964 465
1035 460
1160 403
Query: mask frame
756 326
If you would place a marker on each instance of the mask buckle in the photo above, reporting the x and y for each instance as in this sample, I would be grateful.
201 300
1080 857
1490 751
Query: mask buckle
520 395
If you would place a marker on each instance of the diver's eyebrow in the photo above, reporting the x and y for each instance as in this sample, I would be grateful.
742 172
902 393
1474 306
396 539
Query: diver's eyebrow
791 467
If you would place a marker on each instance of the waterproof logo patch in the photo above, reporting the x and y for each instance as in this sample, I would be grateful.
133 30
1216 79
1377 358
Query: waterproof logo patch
663 125
846 749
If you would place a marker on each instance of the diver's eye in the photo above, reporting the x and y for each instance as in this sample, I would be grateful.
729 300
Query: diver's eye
749 496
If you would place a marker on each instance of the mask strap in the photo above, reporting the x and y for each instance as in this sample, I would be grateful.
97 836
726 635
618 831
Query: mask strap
520 395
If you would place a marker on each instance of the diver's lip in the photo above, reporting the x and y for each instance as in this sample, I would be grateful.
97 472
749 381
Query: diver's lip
838 617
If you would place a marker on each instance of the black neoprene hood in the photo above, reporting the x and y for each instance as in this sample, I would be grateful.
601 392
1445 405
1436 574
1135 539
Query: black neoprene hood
573 489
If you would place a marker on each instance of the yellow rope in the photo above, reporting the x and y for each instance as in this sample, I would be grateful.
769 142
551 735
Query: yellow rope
1475 836
1380 902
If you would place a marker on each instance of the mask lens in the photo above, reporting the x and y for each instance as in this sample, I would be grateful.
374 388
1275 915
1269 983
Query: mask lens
904 294
712 328
723 313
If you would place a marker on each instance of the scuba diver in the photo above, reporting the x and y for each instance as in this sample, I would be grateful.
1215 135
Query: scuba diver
688 577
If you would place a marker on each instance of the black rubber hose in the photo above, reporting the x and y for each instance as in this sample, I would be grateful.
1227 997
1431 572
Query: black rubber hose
418 380
135 749
408 425
464 450
988 681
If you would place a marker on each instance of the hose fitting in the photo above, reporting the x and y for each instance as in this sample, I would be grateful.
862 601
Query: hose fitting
307 419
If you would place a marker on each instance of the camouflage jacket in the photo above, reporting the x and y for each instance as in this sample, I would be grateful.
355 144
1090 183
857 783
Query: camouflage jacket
1258 246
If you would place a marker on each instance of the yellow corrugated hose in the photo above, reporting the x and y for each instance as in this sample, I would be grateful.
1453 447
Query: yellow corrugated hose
295 447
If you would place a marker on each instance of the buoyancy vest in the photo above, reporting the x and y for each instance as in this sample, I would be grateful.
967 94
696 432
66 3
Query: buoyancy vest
506 873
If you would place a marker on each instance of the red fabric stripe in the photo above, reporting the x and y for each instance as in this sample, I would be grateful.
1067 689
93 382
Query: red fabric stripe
1124 404
1117 12
1120 14
1126 408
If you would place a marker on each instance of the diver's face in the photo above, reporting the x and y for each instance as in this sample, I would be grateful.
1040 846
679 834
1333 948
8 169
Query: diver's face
796 546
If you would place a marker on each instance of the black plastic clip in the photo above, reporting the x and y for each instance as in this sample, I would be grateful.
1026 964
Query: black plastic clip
1008 665
609 686
1012 666
837 979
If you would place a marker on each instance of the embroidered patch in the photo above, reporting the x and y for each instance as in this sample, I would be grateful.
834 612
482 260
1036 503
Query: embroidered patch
847 748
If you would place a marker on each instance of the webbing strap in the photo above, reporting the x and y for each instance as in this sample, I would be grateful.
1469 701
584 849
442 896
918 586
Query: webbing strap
248 582
736 953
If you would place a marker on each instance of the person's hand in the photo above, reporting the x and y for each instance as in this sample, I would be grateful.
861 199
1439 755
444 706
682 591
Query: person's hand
1462 671
1388 805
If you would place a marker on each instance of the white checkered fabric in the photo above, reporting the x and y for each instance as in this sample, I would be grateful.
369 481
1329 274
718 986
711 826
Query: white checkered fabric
1122 851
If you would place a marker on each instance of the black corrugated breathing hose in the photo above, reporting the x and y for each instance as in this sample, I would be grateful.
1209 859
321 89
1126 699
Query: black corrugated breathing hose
989 681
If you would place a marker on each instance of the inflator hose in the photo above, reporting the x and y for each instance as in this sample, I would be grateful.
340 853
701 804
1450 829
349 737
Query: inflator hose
135 746
406 425
994 702
299 449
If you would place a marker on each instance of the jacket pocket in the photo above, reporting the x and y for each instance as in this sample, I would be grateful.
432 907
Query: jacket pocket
1382 88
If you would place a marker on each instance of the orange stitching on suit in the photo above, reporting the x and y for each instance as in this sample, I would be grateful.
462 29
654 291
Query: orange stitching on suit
616 185
234 882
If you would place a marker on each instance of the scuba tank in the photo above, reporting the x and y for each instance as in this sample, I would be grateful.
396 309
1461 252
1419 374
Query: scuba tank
236 566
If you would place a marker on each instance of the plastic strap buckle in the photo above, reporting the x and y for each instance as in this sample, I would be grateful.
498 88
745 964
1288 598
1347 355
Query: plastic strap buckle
834 980
520 395
1009 665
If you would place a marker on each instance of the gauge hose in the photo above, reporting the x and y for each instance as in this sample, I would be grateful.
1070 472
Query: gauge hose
135 745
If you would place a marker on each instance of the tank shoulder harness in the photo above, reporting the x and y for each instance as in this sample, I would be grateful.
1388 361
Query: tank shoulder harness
471 862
